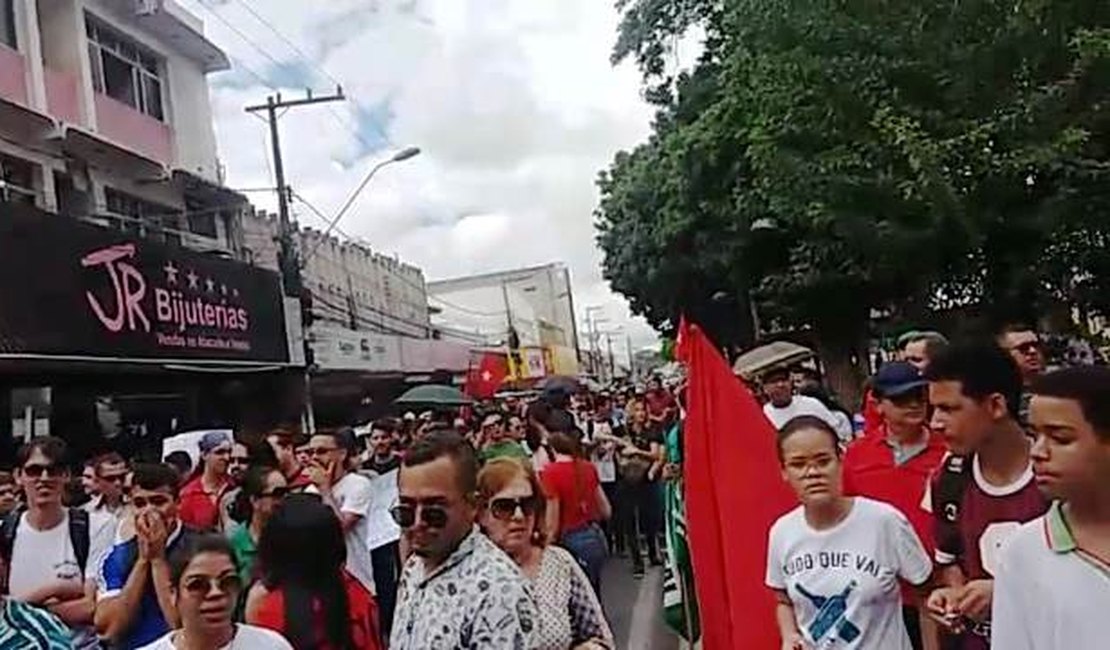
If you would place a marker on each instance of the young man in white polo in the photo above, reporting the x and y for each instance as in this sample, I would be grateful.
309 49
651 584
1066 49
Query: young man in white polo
1052 591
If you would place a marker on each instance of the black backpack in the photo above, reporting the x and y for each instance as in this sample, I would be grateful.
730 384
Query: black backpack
78 536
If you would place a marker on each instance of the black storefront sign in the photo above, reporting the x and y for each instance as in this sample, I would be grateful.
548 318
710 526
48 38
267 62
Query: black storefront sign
72 289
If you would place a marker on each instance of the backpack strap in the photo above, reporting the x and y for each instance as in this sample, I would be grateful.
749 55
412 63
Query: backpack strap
953 479
79 536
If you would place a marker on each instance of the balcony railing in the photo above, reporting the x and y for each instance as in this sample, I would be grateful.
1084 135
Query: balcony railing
134 130
13 76
157 233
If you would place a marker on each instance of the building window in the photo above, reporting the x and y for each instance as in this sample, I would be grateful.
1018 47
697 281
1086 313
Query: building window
7 24
124 70
17 180
142 218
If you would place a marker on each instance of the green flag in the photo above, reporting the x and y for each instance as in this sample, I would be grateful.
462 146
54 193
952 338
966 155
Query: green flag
680 605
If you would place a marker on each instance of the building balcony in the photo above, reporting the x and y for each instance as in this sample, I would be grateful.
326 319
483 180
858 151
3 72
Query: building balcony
62 96
13 76
133 130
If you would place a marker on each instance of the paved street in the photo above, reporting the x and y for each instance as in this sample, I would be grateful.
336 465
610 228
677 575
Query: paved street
635 607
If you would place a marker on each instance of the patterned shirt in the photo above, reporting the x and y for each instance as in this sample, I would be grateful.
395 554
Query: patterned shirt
569 611
24 626
477 598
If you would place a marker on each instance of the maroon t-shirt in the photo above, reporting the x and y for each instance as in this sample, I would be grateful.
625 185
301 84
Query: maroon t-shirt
986 518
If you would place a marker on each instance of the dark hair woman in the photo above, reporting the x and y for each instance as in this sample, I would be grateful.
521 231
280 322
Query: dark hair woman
205 586
304 592
576 504
262 491
837 553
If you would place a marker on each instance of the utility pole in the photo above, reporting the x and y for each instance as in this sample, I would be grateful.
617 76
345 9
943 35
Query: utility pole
631 358
612 359
288 263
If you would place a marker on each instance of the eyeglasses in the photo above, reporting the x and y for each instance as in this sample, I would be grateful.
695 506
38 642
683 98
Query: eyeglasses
36 470
505 508
432 516
157 501
200 586
276 493
1029 347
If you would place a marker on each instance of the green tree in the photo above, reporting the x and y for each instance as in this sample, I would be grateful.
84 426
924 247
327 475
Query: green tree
911 156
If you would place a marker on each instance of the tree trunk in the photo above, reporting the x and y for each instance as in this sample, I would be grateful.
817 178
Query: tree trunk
845 365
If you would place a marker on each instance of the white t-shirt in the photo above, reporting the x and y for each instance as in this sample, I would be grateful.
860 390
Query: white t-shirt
354 494
806 405
843 581
604 456
1048 600
247 637
41 556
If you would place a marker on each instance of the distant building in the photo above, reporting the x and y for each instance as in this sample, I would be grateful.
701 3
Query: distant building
352 286
105 116
537 301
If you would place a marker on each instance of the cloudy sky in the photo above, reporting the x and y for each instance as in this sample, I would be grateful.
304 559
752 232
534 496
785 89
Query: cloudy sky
513 102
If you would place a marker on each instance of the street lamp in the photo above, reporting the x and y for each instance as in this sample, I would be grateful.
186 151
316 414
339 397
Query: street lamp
400 156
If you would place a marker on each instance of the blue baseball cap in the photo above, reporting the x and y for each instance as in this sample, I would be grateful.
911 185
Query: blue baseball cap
897 378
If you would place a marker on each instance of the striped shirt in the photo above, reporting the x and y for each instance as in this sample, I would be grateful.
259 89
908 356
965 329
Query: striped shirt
25 626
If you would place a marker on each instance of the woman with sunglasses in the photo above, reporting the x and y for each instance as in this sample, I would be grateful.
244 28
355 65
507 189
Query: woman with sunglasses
304 592
205 586
835 561
262 490
512 516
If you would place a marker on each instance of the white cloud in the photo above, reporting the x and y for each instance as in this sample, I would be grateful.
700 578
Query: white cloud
513 102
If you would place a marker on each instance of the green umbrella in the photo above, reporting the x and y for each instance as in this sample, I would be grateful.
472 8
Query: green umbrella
434 395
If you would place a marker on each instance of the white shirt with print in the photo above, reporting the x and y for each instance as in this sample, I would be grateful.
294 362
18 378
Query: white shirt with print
843 581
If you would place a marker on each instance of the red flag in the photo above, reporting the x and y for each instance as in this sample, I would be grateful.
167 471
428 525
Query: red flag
483 380
734 493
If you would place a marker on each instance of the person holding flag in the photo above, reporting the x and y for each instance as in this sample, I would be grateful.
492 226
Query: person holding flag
680 603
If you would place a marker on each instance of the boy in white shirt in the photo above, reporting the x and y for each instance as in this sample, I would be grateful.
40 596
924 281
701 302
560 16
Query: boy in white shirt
1053 589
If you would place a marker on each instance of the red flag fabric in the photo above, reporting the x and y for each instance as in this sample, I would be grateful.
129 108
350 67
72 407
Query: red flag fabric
483 380
734 493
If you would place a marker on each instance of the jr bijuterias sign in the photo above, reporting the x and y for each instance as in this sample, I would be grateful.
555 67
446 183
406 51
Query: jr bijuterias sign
72 289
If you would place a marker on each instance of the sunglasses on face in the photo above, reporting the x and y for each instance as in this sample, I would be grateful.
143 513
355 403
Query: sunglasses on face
320 452
1029 347
44 471
432 516
200 586
157 501
505 508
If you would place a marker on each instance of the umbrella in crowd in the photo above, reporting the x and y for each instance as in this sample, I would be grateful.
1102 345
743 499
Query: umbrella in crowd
773 355
434 395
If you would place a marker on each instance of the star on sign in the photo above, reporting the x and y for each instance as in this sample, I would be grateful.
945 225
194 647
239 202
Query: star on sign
171 273
487 375
223 289
210 285
193 278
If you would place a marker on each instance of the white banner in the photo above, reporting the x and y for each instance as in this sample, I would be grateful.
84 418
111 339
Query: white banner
336 348
383 530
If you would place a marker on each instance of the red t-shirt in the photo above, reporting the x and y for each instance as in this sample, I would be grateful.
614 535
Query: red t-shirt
658 402
574 484
363 616
869 471
199 510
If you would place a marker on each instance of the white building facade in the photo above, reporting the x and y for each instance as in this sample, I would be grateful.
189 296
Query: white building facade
105 116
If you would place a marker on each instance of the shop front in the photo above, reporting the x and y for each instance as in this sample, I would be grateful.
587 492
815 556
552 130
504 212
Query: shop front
113 342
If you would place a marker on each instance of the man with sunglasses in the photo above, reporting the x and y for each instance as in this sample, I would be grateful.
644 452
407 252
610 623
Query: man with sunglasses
236 470
496 443
894 465
136 603
347 492
109 471
458 590
1024 345
51 552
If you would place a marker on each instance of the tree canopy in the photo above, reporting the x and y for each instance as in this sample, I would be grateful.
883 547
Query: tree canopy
838 159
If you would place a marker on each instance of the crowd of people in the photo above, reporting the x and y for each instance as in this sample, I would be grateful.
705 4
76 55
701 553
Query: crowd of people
508 511
971 511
